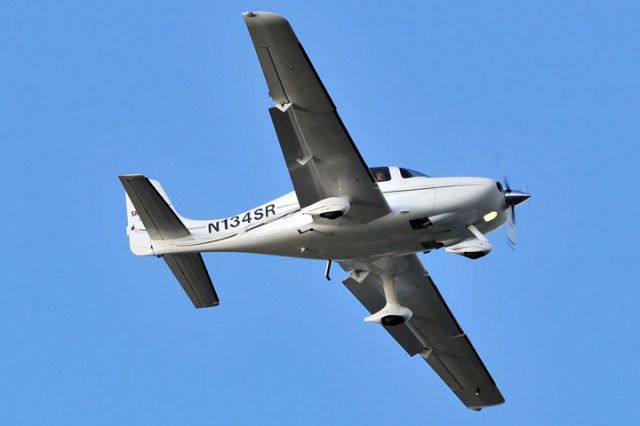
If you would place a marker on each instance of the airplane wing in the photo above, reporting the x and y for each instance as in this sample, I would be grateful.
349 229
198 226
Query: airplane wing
322 160
432 331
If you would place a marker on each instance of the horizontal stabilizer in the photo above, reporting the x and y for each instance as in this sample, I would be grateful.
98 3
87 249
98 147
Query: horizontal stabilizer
159 219
192 274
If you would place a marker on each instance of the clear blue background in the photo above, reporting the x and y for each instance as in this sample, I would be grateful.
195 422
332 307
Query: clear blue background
92 334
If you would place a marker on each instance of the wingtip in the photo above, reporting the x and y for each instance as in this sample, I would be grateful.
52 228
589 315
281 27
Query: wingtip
491 403
266 17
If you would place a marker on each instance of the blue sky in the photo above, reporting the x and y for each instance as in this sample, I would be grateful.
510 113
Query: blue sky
92 334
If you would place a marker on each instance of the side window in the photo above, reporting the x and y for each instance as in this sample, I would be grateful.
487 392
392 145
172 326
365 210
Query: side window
380 174
408 173
405 173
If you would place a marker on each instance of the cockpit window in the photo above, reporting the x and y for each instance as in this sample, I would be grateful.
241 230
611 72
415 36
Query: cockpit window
408 173
380 174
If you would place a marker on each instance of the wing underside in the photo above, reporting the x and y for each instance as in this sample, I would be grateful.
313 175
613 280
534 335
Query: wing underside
321 157
432 332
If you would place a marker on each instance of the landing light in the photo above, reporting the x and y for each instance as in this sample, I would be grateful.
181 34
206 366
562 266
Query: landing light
490 216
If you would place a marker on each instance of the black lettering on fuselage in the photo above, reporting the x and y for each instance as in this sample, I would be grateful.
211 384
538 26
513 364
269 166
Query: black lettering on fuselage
248 217
270 209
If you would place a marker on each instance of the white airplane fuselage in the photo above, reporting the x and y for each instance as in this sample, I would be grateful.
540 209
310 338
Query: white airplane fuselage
426 213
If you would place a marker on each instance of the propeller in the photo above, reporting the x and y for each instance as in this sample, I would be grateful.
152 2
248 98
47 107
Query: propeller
512 198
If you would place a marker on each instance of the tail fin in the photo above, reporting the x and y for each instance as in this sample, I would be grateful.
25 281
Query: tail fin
139 240
159 219
152 217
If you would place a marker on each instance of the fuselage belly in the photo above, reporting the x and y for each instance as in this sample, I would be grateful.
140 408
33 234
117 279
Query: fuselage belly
428 213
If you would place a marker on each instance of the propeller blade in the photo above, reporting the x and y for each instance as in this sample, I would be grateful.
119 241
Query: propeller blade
512 198
507 186
511 236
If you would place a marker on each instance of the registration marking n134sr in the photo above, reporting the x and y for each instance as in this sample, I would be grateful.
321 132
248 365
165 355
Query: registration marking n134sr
243 219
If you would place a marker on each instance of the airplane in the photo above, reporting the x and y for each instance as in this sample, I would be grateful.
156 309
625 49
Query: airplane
372 221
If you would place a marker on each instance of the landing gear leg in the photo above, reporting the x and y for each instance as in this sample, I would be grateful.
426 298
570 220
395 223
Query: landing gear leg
393 312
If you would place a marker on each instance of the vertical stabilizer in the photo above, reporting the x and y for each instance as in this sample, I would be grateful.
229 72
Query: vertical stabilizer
139 240
151 218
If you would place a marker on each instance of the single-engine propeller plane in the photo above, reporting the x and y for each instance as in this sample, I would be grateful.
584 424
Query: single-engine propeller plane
371 221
